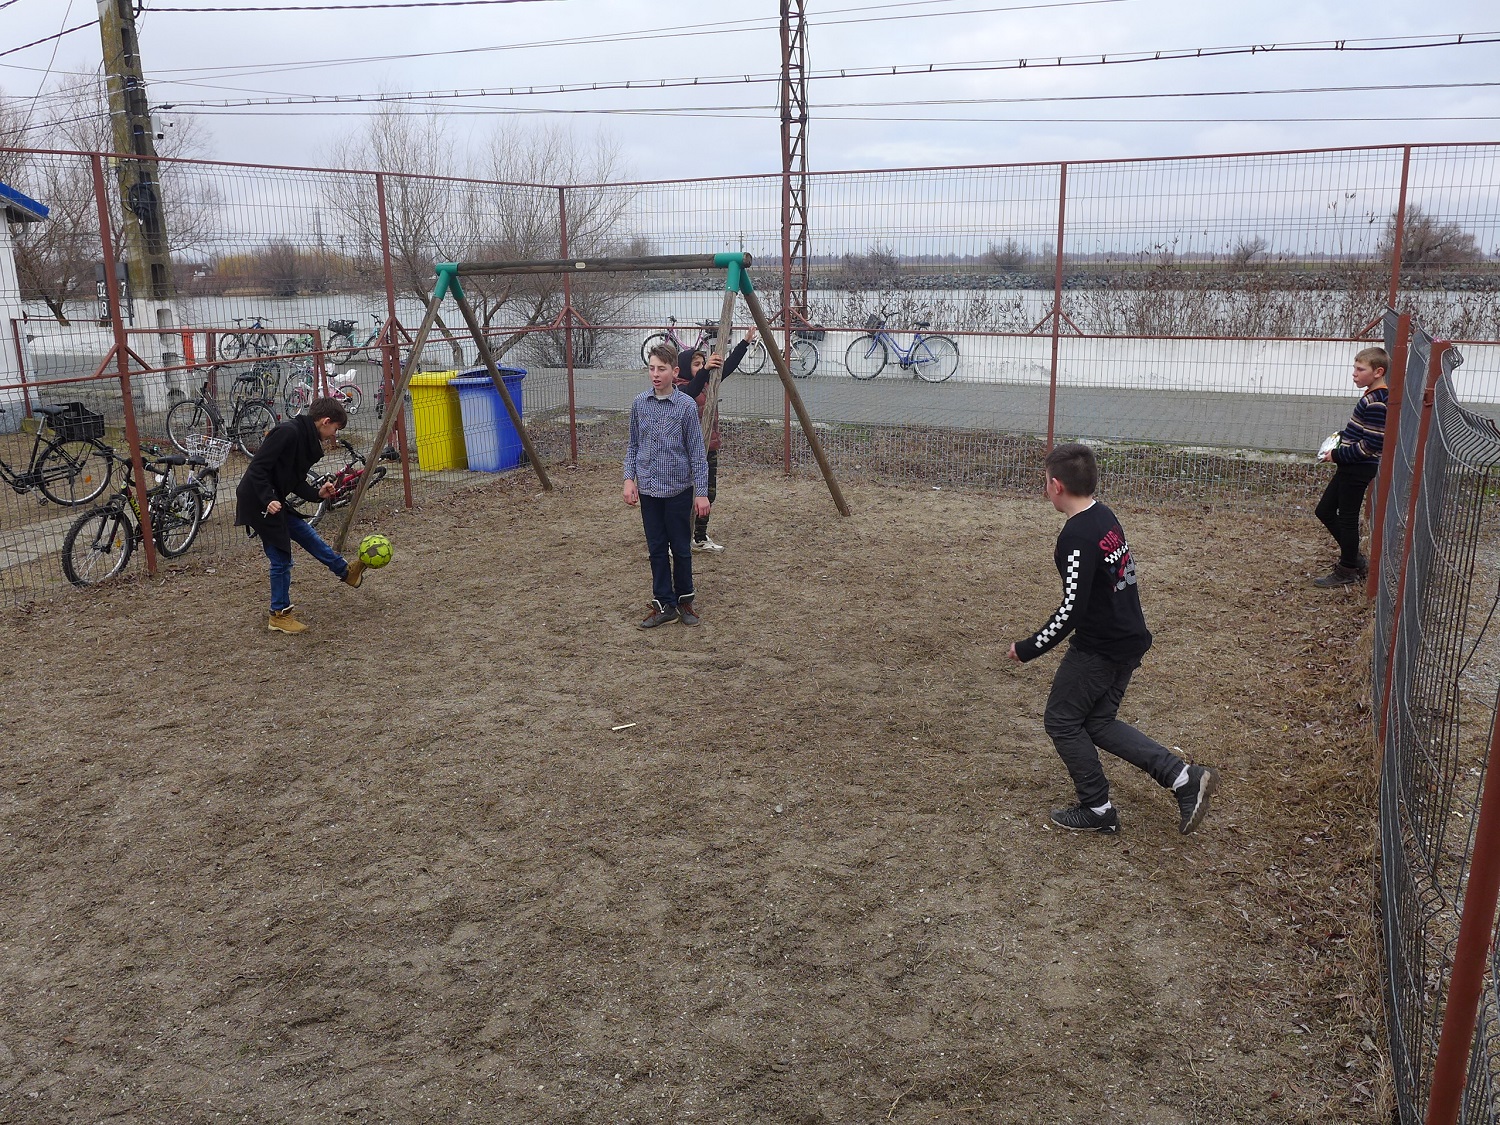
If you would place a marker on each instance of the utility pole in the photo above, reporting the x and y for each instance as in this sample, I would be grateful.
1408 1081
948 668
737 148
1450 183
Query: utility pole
794 118
148 260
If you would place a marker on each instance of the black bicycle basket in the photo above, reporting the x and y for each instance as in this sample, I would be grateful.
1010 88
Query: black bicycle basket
873 323
341 327
816 332
77 423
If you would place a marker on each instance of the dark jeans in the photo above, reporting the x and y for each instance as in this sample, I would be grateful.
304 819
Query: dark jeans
668 521
700 523
310 541
1080 716
1339 508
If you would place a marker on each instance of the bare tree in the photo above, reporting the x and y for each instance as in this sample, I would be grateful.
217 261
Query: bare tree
56 259
1427 242
1246 250
1009 257
512 214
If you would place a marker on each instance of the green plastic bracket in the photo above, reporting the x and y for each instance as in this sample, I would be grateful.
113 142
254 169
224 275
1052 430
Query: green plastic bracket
737 278
447 281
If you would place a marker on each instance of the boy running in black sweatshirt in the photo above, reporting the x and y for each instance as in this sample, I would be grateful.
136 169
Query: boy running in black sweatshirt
1101 608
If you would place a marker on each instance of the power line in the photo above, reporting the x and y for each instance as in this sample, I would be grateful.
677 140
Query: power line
426 97
902 70
48 38
358 7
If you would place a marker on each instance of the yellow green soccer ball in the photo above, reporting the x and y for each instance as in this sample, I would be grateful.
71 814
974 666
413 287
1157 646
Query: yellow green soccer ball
375 551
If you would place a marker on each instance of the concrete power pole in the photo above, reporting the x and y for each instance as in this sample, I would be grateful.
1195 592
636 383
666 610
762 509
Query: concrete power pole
148 262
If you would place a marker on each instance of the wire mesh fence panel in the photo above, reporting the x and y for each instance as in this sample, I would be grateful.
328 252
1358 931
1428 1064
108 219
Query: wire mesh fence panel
1444 667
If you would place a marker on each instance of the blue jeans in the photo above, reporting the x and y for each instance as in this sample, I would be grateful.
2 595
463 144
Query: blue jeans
668 521
281 561
1080 716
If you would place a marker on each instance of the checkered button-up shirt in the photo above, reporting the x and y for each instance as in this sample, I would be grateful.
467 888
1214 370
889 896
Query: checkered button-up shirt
666 453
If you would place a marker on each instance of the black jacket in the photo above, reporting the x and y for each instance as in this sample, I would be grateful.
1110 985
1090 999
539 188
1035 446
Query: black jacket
278 470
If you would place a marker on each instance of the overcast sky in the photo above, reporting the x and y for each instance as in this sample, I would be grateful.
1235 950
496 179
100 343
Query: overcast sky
961 116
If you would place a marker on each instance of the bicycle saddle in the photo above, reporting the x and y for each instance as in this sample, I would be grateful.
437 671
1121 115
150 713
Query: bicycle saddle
923 323
50 410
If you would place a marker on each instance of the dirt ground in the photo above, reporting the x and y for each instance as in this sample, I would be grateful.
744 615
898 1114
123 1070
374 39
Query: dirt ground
476 848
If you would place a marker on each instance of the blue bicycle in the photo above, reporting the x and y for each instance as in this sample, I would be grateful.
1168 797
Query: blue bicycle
930 358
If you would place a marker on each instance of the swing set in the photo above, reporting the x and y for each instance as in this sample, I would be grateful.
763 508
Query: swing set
737 283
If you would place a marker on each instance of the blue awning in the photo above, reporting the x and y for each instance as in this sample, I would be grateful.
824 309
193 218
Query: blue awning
20 208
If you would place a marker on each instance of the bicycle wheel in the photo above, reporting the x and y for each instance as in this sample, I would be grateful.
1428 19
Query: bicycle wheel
232 346
252 422
865 357
352 398
72 472
97 546
650 342
297 396
755 359
190 418
175 519
339 348
934 358
803 360
208 487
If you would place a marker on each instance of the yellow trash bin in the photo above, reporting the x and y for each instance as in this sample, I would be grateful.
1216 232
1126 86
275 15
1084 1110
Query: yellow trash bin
438 421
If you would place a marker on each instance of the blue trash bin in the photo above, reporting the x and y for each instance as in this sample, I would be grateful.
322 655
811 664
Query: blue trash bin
490 438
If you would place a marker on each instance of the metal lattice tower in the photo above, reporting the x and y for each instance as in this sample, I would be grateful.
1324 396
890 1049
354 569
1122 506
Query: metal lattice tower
794 160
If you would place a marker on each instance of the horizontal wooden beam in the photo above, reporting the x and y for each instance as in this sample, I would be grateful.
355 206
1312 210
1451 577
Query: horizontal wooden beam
601 265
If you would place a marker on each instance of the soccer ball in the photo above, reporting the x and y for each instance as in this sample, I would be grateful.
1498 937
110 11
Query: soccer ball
375 551
1330 443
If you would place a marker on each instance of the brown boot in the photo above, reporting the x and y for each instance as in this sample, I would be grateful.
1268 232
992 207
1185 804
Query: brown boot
284 622
356 573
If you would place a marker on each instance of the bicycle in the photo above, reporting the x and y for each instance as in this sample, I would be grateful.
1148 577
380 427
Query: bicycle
70 468
344 481
251 421
212 452
251 341
341 348
101 541
300 390
300 343
930 358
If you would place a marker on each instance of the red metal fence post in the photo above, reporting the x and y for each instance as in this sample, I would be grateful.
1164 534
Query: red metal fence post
567 321
121 351
1057 289
390 354
1399 231
1434 372
1475 932
1396 377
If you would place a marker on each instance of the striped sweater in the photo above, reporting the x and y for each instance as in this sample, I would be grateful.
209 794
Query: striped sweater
1361 441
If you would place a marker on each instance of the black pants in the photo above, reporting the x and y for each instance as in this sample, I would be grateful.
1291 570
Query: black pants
1080 720
1339 508
700 523
666 520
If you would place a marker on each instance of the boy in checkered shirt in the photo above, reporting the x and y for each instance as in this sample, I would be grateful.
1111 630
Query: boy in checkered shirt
666 473
1101 608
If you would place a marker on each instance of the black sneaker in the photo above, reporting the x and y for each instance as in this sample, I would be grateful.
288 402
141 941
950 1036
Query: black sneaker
1082 819
1192 798
659 615
1340 575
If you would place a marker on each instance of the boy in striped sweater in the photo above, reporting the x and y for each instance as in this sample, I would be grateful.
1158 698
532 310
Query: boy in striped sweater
1357 456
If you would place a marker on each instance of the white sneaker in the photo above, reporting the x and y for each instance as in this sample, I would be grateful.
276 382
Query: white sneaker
706 544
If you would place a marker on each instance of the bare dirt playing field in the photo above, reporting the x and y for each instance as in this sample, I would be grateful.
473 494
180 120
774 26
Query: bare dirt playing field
405 869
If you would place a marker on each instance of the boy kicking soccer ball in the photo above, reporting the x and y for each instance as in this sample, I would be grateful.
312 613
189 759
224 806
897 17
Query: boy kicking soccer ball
1101 608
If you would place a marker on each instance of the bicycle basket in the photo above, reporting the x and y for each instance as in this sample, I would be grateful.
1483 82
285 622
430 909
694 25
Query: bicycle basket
815 333
77 423
341 327
873 323
214 450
